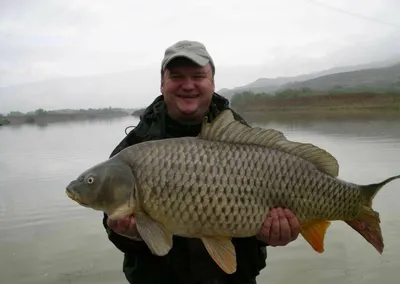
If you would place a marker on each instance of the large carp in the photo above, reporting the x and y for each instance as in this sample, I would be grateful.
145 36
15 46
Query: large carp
222 184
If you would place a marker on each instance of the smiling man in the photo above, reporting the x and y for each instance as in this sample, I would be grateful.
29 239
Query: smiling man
188 95
187 81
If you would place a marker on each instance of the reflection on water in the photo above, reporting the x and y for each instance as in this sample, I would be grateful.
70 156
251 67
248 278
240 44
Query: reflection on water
47 238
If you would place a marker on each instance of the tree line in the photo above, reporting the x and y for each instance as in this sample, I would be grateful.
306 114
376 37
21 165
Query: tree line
43 112
254 97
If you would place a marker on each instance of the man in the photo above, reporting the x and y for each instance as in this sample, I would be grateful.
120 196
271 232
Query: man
188 94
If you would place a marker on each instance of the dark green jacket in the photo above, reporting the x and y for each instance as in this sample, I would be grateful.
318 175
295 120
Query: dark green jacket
188 261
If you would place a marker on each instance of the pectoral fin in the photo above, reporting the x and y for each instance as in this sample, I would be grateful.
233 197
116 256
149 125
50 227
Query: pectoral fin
314 233
222 252
157 238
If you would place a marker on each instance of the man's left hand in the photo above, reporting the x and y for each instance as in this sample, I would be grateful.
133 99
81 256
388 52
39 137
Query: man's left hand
280 228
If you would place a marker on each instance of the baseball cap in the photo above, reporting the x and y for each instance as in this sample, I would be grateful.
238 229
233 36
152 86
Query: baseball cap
192 50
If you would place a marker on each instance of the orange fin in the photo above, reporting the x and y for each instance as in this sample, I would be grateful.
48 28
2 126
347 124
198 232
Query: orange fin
368 226
314 233
222 252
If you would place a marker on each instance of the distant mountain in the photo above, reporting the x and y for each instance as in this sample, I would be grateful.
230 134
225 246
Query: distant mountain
269 85
385 77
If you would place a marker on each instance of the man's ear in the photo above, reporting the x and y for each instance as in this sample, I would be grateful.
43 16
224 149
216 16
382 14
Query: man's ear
213 83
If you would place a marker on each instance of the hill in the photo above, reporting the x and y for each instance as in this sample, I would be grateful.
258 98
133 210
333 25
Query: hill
373 79
366 93
271 85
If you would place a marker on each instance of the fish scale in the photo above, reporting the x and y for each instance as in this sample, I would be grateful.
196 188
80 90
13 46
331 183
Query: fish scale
261 188
222 184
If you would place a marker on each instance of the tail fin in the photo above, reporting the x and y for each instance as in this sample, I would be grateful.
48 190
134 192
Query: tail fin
369 191
368 222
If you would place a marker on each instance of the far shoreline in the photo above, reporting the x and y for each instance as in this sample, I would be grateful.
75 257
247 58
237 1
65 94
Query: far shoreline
254 107
41 117
324 106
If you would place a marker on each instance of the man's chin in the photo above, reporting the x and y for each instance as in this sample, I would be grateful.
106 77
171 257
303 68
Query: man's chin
188 109
190 115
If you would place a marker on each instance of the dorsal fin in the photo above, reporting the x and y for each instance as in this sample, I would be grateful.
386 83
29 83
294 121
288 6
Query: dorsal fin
225 128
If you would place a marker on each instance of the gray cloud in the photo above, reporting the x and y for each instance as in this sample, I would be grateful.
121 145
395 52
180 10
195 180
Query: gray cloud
248 39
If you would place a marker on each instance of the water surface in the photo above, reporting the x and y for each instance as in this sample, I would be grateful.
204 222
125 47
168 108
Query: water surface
47 238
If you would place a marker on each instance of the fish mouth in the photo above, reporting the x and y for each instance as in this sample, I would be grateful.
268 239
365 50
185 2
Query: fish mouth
75 198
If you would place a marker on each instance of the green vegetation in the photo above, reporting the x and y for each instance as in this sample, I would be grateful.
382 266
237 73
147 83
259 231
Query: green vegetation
41 116
305 102
248 97
251 97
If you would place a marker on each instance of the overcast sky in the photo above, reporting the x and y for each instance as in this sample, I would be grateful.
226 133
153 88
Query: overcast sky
46 39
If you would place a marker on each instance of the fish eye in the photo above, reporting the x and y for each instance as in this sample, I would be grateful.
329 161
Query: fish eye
90 180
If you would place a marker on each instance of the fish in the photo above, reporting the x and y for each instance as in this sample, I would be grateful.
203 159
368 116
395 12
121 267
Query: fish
221 185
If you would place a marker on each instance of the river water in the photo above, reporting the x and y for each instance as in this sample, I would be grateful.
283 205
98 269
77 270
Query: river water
47 238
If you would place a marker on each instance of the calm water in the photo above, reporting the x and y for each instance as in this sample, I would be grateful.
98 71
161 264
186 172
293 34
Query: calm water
47 238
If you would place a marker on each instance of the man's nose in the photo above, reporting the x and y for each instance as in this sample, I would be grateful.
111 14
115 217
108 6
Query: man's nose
188 84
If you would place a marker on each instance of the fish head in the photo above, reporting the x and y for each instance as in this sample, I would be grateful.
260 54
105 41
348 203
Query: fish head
108 186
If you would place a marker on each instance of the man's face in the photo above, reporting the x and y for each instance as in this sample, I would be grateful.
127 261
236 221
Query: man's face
187 90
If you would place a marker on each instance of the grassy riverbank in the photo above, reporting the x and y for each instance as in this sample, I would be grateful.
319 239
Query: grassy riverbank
324 106
43 117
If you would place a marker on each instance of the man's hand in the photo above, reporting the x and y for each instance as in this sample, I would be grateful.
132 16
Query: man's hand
280 228
125 227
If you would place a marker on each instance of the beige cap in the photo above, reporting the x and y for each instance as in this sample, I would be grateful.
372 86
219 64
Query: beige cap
192 50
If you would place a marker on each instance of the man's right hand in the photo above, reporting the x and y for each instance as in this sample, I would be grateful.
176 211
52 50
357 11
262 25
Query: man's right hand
125 227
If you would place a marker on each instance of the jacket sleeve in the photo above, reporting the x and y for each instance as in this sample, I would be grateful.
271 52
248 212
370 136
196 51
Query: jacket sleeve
124 244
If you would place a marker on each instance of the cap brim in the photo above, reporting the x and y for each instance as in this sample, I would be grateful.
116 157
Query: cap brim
192 57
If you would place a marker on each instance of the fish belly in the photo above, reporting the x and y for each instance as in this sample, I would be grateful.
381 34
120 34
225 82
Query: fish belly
198 188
